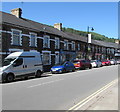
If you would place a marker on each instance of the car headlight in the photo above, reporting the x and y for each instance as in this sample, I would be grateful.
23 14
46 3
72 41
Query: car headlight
55 69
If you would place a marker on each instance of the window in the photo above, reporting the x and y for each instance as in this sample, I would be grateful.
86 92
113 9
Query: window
16 37
18 62
46 41
0 40
0 35
46 58
78 47
108 50
104 49
99 49
96 49
57 57
33 39
65 44
93 49
73 45
112 50
7 61
57 43
89 48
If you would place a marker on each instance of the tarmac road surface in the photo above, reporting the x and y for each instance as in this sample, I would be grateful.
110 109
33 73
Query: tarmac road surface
56 92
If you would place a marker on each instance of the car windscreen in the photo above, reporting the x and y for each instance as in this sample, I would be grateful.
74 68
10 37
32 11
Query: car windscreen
59 64
76 62
92 61
7 61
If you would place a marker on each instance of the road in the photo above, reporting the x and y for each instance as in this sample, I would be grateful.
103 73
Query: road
56 92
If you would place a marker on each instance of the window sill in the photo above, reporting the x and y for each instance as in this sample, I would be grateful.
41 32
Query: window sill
46 64
15 45
33 46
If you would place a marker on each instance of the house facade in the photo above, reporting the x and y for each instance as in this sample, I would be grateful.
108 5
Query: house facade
55 46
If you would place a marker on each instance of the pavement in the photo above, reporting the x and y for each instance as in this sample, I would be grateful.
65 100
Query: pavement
108 101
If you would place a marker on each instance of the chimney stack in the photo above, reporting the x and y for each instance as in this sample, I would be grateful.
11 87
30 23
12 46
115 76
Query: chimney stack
58 26
117 41
17 12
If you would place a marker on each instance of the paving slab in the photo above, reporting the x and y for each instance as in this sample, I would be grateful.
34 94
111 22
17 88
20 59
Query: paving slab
108 101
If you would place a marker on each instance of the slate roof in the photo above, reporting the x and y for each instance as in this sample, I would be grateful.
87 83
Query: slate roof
95 42
9 18
26 23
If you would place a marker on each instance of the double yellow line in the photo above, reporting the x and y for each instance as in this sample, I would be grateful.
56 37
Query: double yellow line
86 100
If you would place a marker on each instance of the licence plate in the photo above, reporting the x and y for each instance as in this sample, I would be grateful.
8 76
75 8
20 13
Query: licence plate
53 70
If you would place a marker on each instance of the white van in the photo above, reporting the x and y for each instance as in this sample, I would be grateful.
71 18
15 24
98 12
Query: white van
21 64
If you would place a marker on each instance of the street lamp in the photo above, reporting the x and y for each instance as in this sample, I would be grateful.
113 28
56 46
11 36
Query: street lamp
88 40
92 29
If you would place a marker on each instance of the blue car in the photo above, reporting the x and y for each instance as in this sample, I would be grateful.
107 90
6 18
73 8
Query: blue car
65 67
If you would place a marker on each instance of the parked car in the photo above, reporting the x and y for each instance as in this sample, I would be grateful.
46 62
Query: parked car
21 64
99 63
105 62
93 63
64 67
96 63
118 61
82 64
113 62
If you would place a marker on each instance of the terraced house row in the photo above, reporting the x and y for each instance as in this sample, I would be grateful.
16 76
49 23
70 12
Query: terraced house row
55 46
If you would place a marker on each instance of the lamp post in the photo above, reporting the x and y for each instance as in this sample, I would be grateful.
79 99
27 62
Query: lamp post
88 40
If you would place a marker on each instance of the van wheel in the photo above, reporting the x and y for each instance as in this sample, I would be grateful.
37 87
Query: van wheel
26 77
10 78
38 74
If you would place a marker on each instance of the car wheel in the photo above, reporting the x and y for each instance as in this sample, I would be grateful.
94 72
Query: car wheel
90 67
52 72
73 70
61 71
97 66
38 74
83 67
10 78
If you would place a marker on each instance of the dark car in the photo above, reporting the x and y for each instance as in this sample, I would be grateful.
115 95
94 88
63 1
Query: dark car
82 64
64 67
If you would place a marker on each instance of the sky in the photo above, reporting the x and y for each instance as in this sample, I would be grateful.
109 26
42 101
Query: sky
102 16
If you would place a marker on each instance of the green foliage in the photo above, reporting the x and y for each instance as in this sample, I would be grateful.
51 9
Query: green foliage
95 36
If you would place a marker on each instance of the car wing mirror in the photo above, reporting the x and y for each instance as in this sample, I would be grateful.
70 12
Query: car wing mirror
66 65
14 64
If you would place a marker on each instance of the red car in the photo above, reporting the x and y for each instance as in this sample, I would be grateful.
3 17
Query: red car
82 64
106 63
